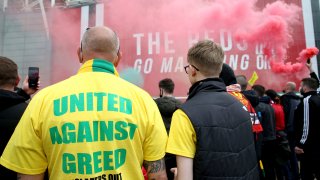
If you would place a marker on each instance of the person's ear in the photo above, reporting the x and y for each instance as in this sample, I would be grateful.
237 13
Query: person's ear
17 81
118 59
80 57
161 92
193 71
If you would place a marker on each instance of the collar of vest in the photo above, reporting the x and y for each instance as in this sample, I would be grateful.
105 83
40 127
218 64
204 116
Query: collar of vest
209 85
98 65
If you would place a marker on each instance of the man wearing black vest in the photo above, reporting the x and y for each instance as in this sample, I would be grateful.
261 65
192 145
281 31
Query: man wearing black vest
211 134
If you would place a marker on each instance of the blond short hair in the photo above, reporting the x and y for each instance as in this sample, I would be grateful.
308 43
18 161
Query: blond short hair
207 56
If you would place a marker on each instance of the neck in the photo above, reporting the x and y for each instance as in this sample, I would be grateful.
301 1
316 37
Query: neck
201 77
167 94
105 57
7 88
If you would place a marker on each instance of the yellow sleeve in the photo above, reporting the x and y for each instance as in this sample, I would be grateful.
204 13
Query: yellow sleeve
24 152
182 137
154 146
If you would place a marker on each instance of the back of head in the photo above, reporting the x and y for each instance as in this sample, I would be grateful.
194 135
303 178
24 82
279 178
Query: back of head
273 95
260 90
8 73
167 85
208 57
310 83
252 96
100 42
242 80
290 87
227 75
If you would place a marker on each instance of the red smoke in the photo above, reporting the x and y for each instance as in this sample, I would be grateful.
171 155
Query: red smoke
274 31
307 53
281 67
270 25
249 21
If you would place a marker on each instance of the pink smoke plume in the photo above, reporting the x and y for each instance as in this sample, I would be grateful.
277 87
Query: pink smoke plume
281 67
270 25
274 31
250 21
307 53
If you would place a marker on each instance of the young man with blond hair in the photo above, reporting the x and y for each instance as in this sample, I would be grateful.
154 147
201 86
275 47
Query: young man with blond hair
216 140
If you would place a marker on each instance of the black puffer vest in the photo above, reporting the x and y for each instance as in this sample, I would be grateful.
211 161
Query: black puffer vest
225 146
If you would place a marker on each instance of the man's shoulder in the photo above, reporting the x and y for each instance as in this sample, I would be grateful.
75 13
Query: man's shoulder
216 101
263 106
290 95
166 99
59 86
75 86
315 99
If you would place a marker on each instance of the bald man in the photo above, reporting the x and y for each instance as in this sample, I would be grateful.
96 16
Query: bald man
93 125
290 87
290 101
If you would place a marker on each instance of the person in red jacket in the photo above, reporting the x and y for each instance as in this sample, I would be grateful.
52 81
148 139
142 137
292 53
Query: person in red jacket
278 109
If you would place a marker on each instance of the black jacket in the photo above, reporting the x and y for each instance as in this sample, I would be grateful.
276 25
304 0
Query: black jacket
267 118
252 97
12 107
225 146
289 101
167 106
312 143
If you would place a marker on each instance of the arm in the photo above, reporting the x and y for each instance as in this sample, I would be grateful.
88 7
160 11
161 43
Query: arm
298 128
30 177
156 170
312 73
285 102
26 91
314 76
22 93
185 168
298 124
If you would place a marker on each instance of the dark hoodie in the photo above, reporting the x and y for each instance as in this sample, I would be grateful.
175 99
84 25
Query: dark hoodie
267 118
252 97
289 101
12 107
167 106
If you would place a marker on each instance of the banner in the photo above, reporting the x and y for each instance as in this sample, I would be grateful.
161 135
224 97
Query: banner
155 38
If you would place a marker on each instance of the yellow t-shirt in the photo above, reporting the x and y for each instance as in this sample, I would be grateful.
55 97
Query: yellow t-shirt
92 125
182 137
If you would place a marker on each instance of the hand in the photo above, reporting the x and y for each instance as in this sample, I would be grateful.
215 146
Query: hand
27 89
298 150
175 172
309 66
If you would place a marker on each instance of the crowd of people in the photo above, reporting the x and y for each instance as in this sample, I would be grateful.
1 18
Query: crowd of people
95 125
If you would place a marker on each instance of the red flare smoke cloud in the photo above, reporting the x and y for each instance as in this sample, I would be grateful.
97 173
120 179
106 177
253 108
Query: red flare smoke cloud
281 67
307 54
